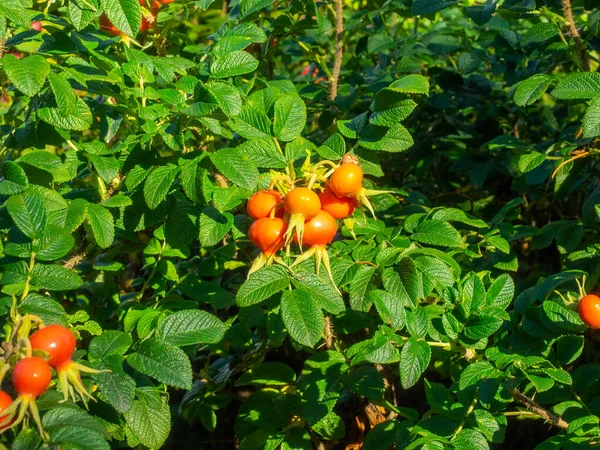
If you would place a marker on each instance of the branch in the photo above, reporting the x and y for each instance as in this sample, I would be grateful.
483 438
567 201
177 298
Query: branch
579 44
339 49
537 409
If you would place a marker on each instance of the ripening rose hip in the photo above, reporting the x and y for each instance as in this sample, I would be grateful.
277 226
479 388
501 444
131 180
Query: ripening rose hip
57 341
31 377
320 230
346 180
5 401
267 234
589 310
338 207
263 203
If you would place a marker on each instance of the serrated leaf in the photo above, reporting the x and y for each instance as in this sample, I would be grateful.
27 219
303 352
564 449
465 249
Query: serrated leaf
237 167
321 290
578 86
54 277
63 94
191 327
79 120
27 74
116 386
390 309
422 7
359 300
248 7
395 139
150 423
234 63
81 14
591 120
414 359
474 373
437 232
158 183
163 362
102 224
252 123
411 84
214 225
501 292
261 285
227 96
109 343
28 213
14 180
290 117
126 15
46 308
302 317
532 89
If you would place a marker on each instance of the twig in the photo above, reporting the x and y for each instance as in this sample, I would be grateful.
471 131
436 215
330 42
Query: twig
339 49
537 409
564 163
579 44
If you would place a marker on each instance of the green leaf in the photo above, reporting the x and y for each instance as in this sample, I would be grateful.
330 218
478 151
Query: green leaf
302 316
263 153
79 120
46 308
578 86
163 362
54 277
359 300
80 13
195 181
109 343
14 179
529 161
501 292
237 167
261 285
214 225
390 107
27 74
227 96
321 290
191 327
540 33
102 224
390 309
569 348
411 84
248 7
116 386
150 423
235 63
252 123
437 232
414 359
563 318
591 120
422 7
469 439
474 373
290 117
63 93
126 15
54 243
395 139
158 183
28 213
269 373
365 381
484 324
532 89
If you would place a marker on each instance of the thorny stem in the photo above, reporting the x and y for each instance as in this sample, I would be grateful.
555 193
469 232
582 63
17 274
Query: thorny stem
339 49
537 409
579 44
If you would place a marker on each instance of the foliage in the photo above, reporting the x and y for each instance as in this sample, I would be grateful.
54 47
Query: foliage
451 318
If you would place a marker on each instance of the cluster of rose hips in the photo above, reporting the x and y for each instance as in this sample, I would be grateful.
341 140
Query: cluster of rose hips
307 214
32 374
148 17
